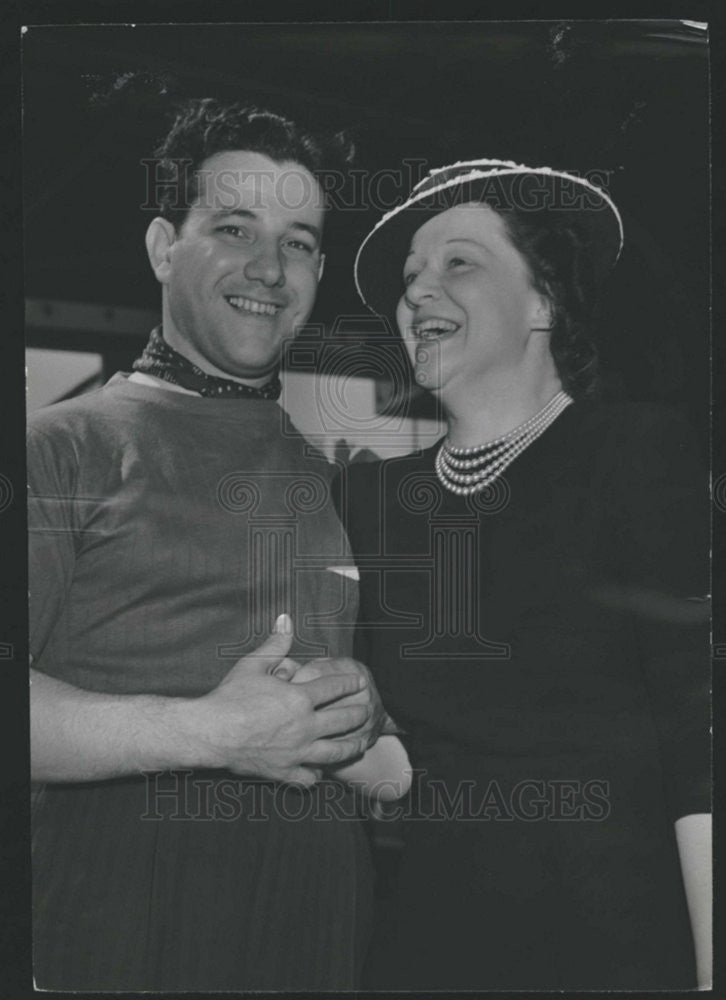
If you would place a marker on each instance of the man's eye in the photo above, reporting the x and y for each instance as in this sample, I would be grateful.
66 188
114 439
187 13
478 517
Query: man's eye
231 230
457 262
408 278
300 245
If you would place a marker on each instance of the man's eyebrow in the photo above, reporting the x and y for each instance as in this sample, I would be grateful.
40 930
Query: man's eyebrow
307 227
224 213
245 213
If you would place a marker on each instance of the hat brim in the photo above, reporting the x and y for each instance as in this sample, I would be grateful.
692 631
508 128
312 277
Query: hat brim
379 263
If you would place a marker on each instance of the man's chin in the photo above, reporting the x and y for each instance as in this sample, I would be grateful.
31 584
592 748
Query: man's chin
250 365
251 376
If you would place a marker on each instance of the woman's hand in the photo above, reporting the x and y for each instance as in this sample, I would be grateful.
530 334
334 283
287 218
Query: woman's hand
693 834
378 722
383 773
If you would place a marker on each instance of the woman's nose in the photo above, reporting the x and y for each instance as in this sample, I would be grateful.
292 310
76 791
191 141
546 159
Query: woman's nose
265 265
423 286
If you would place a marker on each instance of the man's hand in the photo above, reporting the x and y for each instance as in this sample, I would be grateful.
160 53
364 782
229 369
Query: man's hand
256 723
378 720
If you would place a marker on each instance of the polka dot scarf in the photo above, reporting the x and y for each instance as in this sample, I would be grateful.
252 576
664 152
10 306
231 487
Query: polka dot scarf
164 362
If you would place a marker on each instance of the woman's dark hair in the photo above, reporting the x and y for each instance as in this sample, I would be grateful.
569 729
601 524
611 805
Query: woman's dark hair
203 127
561 270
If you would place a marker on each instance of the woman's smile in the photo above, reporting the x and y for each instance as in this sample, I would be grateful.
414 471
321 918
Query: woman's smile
434 328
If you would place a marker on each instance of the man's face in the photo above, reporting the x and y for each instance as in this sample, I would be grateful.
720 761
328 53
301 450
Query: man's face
242 273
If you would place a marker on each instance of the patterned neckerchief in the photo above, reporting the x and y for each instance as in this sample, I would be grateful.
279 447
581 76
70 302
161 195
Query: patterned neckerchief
164 362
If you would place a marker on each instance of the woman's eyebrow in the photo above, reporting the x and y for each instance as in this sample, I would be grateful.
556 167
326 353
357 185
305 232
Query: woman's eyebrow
466 239
456 239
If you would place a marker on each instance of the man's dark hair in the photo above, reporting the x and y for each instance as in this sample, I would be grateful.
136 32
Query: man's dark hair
561 270
206 126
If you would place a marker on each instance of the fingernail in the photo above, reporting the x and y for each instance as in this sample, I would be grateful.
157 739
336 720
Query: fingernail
283 625
362 682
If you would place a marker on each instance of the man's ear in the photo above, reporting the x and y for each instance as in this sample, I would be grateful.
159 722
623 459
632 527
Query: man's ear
321 266
160 237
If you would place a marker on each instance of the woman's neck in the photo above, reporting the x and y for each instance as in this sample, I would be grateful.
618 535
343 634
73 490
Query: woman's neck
496 407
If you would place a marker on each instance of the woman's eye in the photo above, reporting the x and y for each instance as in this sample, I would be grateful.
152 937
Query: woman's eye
408 278
457 262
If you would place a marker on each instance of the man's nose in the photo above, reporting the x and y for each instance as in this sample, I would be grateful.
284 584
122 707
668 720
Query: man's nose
265 265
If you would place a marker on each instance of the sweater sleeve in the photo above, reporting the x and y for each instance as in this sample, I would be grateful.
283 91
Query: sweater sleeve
347 488
662 515
52 534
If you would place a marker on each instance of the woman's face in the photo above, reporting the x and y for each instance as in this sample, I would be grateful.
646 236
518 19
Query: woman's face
469 306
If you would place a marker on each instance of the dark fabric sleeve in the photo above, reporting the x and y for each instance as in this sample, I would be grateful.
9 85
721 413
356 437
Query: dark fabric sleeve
345 489
663 539
336 493
357 498
52 533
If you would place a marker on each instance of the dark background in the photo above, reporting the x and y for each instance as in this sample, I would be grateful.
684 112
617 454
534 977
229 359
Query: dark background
628 98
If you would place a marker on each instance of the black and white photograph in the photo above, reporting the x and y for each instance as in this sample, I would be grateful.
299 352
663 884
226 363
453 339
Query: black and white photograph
368 397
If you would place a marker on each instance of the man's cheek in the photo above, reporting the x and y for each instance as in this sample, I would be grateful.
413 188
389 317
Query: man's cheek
219 263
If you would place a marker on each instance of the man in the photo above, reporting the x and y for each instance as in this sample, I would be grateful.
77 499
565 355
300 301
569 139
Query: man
171 522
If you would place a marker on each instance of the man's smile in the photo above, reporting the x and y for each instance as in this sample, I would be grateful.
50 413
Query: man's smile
244 304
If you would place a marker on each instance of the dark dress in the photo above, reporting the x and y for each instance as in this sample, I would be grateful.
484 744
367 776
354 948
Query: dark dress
544 645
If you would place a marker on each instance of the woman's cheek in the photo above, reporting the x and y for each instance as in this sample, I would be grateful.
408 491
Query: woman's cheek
403 319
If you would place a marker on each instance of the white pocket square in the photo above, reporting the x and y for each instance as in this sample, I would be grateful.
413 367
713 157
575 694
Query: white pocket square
350 571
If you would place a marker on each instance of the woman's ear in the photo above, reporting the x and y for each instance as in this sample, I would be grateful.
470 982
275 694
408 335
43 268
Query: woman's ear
160 237
542 317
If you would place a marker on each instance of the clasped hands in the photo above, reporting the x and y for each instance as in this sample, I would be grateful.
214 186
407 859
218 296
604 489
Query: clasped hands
274 718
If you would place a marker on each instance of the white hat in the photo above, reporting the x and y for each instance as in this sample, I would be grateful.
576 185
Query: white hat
502 184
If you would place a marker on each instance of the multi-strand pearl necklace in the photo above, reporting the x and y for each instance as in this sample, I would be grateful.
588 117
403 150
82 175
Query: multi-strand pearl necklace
468 470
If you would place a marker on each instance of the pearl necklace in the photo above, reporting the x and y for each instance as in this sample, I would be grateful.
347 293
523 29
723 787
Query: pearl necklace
488 461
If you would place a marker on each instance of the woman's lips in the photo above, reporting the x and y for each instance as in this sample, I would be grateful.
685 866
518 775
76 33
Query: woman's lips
434 328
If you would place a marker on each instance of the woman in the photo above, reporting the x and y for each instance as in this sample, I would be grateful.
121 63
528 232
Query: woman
532 608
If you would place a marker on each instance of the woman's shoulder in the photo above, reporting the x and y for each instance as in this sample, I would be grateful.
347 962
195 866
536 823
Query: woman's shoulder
633 447
627 414
362 491
366 477
632 427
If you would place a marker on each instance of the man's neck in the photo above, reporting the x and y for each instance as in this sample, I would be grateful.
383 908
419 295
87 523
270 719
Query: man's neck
143 379
190 354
